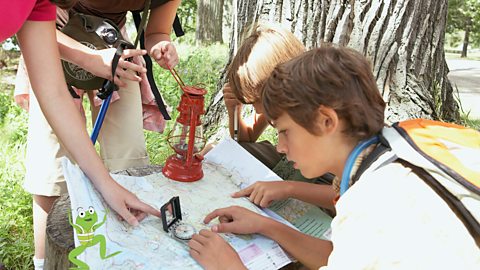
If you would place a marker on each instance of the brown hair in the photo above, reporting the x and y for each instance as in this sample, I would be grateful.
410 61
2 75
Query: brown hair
64 4
336 77
256 58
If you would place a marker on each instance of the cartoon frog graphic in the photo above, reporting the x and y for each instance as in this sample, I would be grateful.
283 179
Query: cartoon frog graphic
85 225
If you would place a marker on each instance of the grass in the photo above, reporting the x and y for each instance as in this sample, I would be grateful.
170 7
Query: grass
473 123
16 233
197 65
465 117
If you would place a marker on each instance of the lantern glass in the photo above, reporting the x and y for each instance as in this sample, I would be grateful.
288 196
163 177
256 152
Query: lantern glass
179 139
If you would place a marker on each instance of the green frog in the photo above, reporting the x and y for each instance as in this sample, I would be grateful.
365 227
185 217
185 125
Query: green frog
85 226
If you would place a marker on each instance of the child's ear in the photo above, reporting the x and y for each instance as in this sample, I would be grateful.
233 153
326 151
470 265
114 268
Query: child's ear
327 119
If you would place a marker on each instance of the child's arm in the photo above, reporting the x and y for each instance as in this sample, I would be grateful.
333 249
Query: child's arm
264 193
247 132
310 251
316 194
39 47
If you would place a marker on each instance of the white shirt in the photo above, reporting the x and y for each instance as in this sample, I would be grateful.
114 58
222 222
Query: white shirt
391 219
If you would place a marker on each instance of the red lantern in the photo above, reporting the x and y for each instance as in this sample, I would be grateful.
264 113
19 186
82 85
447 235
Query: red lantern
186 138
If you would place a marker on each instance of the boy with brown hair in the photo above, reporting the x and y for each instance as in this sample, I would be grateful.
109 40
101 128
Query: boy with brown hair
324 104
260 52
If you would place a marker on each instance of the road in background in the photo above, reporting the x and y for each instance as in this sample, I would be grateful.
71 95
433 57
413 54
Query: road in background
465 74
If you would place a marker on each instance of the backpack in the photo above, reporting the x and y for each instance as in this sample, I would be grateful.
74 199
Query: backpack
445 156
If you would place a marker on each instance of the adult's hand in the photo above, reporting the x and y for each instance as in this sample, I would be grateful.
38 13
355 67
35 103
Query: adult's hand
165 54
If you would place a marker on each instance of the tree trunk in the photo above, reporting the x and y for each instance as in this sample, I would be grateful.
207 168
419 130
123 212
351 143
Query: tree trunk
403 39
466 38
209 21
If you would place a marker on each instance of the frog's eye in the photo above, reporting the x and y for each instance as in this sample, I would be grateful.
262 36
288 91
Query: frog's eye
91 210
81 213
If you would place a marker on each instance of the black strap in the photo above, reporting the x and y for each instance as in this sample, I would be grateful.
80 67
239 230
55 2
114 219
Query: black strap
72 92
148 62
453 202
177 27
143 21
109 86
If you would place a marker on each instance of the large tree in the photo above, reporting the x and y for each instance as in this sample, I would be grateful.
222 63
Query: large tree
209 21
403 39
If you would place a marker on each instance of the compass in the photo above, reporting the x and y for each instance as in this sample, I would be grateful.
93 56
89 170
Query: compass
172 222
184 231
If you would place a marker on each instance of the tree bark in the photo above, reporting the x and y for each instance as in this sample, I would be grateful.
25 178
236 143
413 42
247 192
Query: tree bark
209 21
466 38
403 39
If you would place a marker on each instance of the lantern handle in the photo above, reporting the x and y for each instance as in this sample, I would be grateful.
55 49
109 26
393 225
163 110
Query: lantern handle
176 76
178 79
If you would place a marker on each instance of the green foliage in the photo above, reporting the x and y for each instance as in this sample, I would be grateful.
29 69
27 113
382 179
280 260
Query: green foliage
16 233
472 123
270 134
463 14
187 12
187 39
454 39
460 12
13 119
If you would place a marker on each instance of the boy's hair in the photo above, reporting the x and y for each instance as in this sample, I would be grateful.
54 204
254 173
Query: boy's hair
256 58
64 4
335 77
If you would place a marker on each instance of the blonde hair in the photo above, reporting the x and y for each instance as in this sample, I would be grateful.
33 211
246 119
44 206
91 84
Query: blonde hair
260 52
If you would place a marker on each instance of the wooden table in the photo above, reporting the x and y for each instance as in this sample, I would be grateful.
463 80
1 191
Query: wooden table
59 235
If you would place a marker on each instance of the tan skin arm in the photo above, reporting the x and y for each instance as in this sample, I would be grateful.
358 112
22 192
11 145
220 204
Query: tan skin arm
98 62
247 132
320 195
263 193
157 34
214 253
310 251
39 47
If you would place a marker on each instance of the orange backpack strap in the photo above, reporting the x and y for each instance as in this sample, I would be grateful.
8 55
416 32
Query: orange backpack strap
444 145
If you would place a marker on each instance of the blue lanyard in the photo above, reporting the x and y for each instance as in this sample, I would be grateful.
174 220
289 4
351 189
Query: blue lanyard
347 170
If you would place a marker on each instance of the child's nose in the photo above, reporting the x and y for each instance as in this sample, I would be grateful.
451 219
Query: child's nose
281 147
